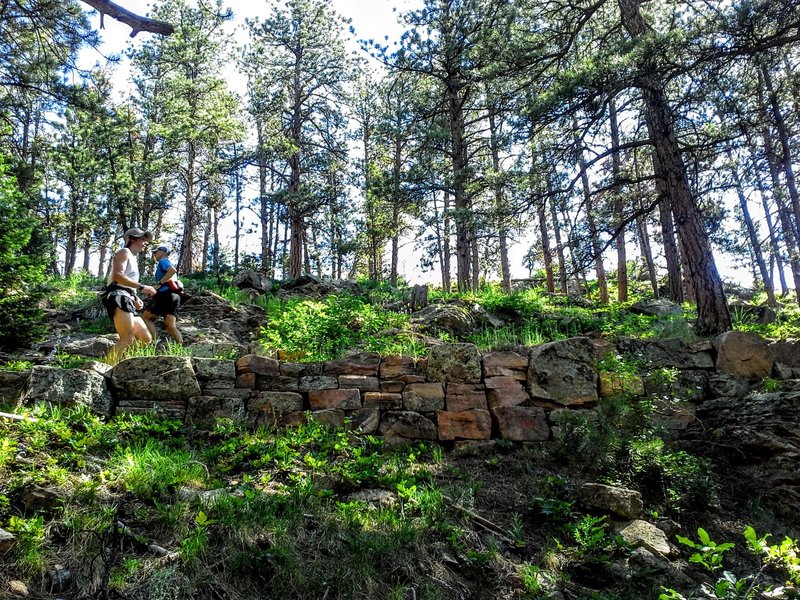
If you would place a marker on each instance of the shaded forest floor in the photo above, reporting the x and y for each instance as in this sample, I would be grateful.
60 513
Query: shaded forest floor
144 508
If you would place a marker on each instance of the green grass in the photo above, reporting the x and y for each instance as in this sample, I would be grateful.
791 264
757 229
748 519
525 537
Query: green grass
281 512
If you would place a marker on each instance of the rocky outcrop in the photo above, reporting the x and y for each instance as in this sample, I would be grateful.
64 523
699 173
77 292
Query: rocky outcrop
249 279
762 442
452 319
656 307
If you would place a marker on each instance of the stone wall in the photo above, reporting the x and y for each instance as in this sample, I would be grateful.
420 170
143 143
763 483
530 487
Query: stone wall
455 395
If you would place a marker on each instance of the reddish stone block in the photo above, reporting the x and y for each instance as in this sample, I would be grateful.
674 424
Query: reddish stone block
261 365
465 396
342 399
412 379
392 387
365 363
505 364
395 365
246 380
493 383
464 425
521 423
394 360
507 396
383 401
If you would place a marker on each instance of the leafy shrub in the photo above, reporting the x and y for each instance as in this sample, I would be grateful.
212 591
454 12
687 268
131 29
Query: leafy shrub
687 480
312 330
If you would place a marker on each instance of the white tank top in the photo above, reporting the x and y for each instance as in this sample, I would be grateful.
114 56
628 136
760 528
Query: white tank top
131 271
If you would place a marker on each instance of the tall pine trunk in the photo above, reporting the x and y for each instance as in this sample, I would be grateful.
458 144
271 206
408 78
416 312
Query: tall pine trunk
185 259
616 170
755 244
597 254
547 253
499 203
713 316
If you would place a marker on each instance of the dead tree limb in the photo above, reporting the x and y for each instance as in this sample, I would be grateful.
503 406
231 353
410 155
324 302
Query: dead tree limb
136 22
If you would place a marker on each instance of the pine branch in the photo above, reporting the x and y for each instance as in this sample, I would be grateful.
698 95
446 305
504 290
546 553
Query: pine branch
136 22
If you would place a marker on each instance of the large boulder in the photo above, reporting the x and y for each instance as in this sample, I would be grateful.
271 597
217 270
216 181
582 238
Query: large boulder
743 354
458 321
70 387
250 279
155 378
563 372
617 501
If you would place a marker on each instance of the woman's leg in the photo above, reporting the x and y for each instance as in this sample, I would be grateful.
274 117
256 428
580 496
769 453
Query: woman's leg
150 321
142 332
130 328
171 325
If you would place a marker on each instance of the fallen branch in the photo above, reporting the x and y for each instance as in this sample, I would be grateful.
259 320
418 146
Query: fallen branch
482 522
139 539
16 417
136 22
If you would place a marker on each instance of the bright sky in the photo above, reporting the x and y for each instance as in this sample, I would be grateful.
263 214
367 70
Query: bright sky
373 19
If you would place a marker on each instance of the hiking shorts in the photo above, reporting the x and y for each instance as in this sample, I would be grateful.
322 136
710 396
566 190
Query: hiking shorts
164 303
117 298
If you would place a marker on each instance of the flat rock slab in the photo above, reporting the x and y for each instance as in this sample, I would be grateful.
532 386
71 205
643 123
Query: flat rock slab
155 378
423 397
71 387
521 423
642 534
464 425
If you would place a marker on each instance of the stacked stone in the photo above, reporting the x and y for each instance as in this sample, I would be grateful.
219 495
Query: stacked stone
454 396
161 385
219 396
